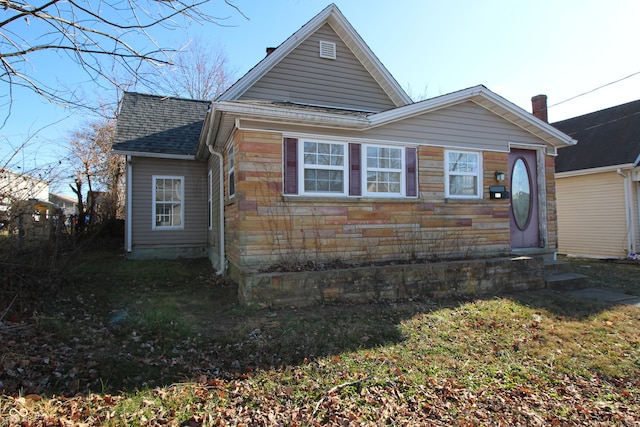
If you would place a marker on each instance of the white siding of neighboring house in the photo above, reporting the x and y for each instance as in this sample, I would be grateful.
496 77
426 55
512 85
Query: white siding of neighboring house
14 186
591 215
188 242
304 77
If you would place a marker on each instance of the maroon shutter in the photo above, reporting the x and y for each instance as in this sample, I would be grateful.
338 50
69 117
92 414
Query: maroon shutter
355 176
290 166
411 159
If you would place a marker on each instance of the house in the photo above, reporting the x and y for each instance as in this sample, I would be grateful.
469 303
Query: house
68 204
317 156
597 184
19 186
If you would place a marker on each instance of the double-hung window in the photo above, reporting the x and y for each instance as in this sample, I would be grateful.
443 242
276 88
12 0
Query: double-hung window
323 167
335 168
168 202
384 171
463 175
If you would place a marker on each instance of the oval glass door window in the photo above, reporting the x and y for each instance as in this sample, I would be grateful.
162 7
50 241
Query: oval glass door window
521 194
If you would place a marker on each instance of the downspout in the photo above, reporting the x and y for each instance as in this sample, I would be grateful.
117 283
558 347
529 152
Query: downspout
221 198
128 203
627 208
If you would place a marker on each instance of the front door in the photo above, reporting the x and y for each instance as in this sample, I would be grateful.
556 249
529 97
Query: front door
525 230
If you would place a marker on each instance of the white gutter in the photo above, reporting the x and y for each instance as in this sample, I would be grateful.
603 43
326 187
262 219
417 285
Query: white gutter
627 209
128 204
603 169
221 192
287 115
155 155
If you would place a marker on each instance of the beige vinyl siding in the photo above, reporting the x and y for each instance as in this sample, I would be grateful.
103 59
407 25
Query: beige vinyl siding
591 215
194 233
466 125
304 77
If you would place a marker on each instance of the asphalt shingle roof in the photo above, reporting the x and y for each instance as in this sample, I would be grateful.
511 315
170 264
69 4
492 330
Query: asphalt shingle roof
159 124
605 138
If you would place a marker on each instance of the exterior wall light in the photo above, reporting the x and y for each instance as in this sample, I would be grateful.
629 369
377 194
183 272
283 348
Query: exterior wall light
500 176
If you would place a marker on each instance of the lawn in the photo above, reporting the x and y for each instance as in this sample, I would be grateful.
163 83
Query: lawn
165 343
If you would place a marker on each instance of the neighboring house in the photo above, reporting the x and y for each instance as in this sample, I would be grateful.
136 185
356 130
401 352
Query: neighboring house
68 204
17 186
597 184
317 155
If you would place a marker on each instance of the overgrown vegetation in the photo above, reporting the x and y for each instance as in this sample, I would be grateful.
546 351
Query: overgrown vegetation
164 342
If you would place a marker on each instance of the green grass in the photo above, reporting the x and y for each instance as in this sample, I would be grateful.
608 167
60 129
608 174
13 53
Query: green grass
168 344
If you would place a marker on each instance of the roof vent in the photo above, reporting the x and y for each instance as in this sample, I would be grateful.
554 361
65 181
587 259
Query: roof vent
327 50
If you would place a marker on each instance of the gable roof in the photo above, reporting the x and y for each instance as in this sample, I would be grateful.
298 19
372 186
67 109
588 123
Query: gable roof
223 115
331 15
159 126
608 137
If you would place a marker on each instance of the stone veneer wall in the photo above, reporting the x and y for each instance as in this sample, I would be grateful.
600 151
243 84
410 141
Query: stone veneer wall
392 282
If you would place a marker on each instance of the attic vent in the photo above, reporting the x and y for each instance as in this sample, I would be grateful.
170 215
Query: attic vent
327 50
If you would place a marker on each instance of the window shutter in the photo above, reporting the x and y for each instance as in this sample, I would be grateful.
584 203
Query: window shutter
355 177
411 160
290 166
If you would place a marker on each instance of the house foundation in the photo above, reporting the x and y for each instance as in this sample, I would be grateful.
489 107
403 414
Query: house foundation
391 282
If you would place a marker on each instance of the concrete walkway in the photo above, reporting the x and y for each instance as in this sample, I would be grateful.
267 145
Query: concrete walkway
606 295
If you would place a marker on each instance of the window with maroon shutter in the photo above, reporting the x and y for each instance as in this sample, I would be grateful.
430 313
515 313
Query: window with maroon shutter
290 166
355 174
411 164
318 167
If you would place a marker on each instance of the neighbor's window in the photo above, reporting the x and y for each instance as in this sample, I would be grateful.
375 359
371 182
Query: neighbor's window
463 174
232 175
324 167
168 207
384 171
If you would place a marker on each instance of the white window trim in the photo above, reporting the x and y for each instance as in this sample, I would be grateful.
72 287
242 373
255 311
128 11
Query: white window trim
344 168
402 170
210 198
479 175
153 203
231 166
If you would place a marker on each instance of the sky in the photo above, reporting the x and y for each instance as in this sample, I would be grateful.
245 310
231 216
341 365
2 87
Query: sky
582 54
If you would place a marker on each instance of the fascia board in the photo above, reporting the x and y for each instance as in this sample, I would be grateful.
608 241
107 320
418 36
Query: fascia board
272 60
471 94
422 107
155 155
371 62
332 15
603 169
292 115
527 117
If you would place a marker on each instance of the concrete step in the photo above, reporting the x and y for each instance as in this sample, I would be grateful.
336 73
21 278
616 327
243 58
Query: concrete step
552 267
565 281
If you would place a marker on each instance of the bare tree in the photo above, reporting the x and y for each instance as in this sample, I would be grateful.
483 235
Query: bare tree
104 38
97 167
200 71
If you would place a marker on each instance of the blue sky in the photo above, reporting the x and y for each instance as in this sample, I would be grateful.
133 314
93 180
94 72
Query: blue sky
516 48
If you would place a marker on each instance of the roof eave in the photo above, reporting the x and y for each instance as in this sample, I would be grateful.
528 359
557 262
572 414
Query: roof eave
154 155
292 115
487 99
590 171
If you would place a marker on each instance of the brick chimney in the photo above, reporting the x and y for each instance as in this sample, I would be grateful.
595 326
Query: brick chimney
539 107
